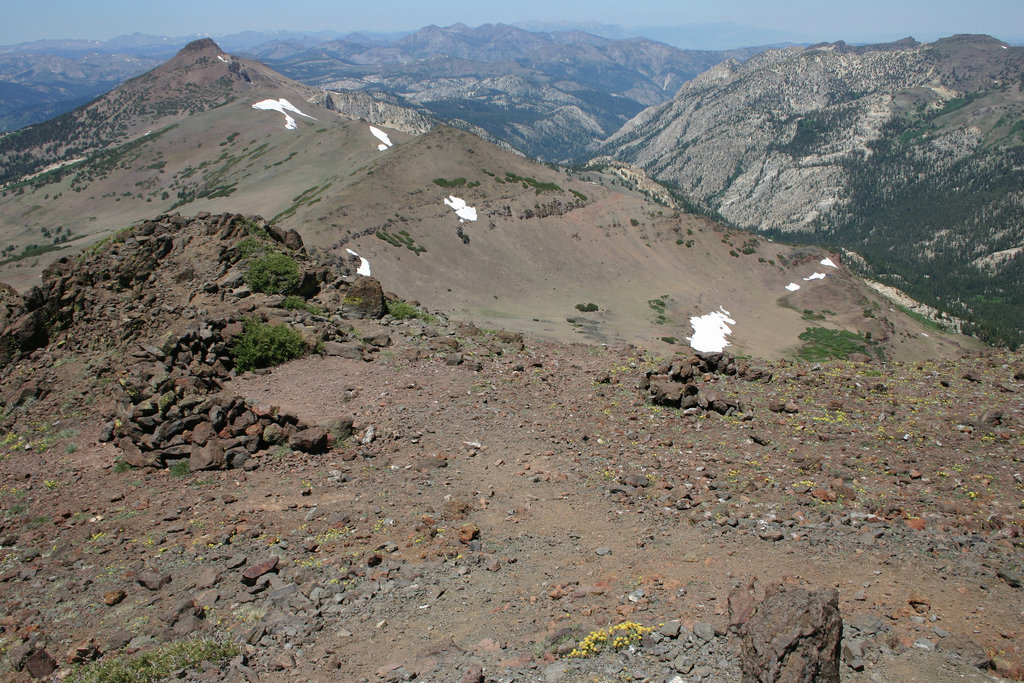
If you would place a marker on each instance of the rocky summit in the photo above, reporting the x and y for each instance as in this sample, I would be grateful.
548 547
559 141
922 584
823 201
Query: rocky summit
225 449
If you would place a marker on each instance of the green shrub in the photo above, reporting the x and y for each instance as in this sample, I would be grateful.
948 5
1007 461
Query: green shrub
273 273
403 310
586 308
263 346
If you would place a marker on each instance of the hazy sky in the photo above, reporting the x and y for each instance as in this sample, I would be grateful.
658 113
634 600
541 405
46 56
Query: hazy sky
818 20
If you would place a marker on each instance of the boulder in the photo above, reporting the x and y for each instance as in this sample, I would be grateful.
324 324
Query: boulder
793 635
312 440
352 350
135 457
208 457
364 299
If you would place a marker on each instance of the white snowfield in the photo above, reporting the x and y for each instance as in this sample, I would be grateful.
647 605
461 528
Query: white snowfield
283 106
709 331
221 58
827 262
364 265
461 210
385 141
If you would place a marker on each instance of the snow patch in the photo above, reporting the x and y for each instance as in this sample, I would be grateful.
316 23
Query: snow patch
461 210
221 58
827 262
792 286
709 331
815 276
385 141
364 265
283 106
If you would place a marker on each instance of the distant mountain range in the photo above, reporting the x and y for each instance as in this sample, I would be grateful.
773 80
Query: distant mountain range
910 155
548 95
440 215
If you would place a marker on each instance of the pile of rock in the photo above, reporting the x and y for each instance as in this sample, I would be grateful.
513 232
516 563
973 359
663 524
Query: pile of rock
674 383
173 408
154 312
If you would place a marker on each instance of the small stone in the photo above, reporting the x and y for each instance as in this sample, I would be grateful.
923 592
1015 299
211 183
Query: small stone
915 523
84 651
118 639
603 550
250 575
1012 578
113 597
474 673
682 664
704 631
919 602
40 664
670 629
924 644
469 532
153 580
312 440
208 578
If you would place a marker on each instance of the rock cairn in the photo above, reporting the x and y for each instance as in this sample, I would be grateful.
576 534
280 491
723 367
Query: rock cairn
684 382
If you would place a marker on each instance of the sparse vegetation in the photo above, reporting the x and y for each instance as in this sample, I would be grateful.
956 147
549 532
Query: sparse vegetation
454 182
822 343
401 239
586 308
293 302
155 665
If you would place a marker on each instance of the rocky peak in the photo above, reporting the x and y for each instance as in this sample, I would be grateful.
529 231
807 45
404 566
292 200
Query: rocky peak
201 45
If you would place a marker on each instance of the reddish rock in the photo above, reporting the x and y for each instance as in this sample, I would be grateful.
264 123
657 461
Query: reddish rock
250 575
469 532
794 636
365 299
915 523
153 580
208 457
84 651
473 674
135 457
202 433
113 597
312 440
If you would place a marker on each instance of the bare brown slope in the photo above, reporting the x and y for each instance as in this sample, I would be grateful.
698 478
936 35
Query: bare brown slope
545 241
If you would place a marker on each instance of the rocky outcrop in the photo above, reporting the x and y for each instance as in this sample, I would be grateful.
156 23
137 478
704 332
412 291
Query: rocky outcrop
158 308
